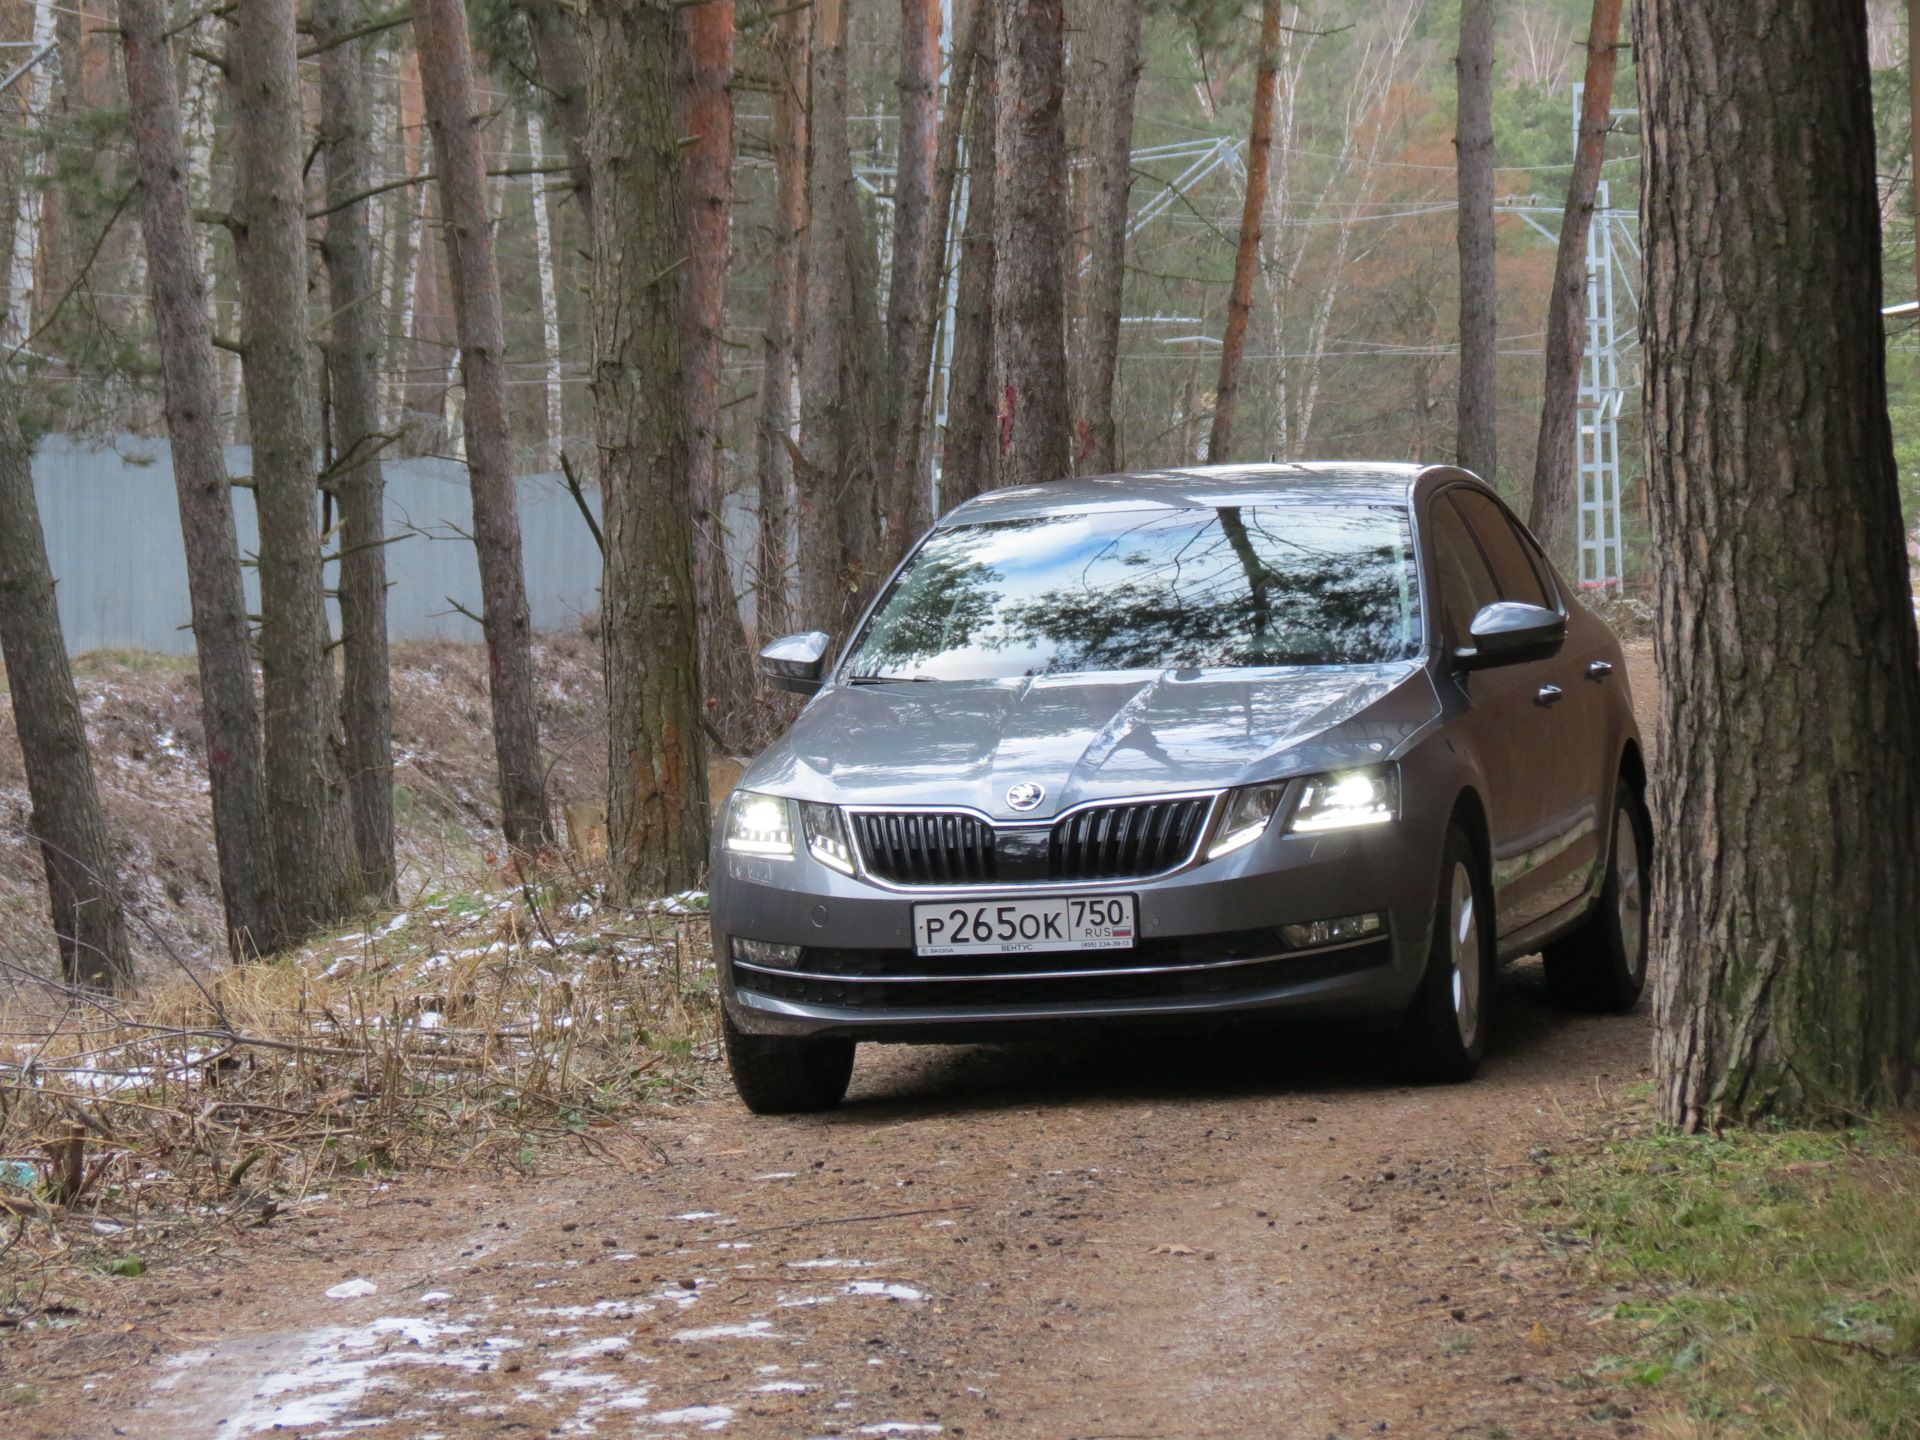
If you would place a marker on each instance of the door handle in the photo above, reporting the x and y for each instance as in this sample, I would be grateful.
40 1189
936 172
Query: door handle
1599 670
1548 695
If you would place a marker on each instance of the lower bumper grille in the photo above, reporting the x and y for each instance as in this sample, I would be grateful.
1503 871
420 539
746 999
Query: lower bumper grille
884 980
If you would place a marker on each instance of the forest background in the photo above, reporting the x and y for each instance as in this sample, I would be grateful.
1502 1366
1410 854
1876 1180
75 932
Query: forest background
1352 346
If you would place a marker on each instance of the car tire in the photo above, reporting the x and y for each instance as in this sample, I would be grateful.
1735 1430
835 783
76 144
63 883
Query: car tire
787 1075
1444 1032
1601 968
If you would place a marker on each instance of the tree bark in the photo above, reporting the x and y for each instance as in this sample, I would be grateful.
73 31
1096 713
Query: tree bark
315 878
1477 442
68 823
1030 241
785 285
657 811
914 256
967 460
706 127
1107 235
1247 260
353 360
837 472
973 31
446 84
1913 126
1786 795
176 283
1553 461
556 49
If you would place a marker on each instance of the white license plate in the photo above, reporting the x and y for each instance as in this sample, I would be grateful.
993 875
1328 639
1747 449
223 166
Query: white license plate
1011 927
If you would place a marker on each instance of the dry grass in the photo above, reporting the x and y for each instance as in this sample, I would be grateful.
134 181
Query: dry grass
476 1028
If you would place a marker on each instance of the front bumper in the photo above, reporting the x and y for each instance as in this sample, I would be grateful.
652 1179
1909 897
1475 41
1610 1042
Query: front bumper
1209 945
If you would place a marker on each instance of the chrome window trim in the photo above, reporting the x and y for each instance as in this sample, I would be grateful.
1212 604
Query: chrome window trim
1215 798
999 975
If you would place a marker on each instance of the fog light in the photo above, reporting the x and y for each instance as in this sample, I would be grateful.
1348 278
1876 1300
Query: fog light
765 952
1331 932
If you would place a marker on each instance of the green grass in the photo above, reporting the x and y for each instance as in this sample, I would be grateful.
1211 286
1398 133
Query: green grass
1774 1278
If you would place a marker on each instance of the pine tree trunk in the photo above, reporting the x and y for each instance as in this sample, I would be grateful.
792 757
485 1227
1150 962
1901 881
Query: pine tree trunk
446 83
1247 259
785 285
913 257
1478 439
1553 462
1107 235
973 29
1030 241
836 473
71 828
353 359
967 460
315 878
563 77
1786 796
658 812
706 123
176 282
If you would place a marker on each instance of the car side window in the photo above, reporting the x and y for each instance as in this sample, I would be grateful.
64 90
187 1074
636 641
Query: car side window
1463 582
1514 571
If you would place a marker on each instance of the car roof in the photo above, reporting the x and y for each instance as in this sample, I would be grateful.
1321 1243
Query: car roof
1199 487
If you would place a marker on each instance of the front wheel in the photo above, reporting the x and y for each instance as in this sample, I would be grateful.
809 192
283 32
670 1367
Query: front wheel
1444 1033
785 1074
1601 968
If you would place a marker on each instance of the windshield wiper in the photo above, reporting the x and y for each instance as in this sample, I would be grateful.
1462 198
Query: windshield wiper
890 679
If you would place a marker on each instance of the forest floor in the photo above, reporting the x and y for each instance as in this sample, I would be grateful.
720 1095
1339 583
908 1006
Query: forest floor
1126 1237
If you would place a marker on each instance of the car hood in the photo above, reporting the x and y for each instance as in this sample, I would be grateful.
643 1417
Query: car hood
1088 737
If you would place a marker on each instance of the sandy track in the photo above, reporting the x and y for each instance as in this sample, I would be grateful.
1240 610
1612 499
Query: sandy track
1248 1236
1254 1237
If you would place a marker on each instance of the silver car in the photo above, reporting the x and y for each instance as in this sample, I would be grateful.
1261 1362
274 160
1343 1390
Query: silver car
1321 740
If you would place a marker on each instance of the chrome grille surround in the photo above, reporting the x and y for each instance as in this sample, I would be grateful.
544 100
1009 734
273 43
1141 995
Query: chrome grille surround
949 848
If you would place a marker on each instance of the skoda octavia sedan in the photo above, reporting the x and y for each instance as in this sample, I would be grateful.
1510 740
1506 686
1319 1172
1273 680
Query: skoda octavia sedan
1303 740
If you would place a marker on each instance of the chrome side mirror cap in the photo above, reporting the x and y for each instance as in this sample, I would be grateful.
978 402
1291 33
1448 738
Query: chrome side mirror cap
1508 632
797 662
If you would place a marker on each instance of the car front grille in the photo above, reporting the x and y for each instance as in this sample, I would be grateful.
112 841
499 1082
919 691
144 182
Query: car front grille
878 981
1114 842
1104 842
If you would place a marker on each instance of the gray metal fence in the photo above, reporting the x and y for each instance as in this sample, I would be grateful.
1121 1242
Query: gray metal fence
113 535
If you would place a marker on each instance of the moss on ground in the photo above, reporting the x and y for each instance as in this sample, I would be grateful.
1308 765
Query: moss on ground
1769 1282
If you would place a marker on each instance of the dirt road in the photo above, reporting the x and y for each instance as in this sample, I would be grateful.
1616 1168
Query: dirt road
1116 1239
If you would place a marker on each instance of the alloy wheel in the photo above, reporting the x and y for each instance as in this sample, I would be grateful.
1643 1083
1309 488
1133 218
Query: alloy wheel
1464 937
1630 892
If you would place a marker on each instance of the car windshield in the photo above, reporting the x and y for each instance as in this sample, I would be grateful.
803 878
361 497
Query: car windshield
1268 585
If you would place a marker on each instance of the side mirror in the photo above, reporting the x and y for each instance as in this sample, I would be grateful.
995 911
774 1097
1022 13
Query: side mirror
1510 633
797 662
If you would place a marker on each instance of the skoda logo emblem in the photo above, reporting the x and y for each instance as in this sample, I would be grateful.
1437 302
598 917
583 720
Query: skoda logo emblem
1026 796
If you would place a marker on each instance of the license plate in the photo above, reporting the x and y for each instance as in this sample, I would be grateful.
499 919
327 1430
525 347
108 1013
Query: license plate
1011 927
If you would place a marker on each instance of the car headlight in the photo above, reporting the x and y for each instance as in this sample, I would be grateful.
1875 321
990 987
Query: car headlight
1348 800
827 836
1245 821
759 825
